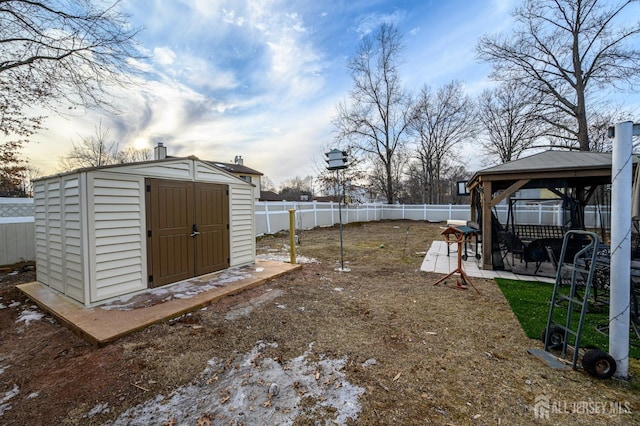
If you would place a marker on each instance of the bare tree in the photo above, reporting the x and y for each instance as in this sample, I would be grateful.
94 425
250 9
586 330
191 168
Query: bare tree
377 175
293 189
133 155
100 150
16 126
29 174
510 118
266 184
52 51
564 49
12 169
92 151
441 121
601 116
376 116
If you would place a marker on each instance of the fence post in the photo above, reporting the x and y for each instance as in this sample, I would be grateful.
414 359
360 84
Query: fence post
450 211
315 214
333 221
539 214
292 236
266 213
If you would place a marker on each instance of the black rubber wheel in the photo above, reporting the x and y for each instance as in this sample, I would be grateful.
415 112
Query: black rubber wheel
464 257
599 364
556 337
478 256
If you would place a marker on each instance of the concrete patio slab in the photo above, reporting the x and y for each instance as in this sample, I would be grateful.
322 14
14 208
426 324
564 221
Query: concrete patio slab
436 260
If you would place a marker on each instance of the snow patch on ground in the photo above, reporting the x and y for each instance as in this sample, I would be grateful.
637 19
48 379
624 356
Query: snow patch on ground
4 404
286 258
100 408
181 290
244 309
255 389
27 316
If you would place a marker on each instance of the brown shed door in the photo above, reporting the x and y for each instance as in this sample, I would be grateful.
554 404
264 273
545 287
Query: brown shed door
212 219
175 210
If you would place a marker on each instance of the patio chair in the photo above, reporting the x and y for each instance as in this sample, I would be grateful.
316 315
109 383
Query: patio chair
536 252
511 243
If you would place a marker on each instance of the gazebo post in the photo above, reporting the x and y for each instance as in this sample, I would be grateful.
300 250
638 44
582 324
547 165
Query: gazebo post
487 243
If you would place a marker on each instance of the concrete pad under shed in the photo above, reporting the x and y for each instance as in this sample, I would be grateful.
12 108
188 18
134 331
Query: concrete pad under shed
125 315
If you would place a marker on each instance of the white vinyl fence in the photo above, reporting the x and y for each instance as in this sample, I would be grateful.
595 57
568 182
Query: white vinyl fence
273 216
17 230
17 233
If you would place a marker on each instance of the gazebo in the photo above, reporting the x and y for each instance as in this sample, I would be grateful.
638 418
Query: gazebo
573 176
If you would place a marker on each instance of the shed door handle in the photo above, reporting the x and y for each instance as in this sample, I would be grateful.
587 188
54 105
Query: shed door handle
195 231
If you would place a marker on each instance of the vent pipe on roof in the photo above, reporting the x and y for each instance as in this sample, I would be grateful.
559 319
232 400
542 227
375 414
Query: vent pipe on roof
160 152
238 160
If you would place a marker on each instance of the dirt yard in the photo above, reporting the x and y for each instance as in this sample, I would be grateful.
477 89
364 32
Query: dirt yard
376 345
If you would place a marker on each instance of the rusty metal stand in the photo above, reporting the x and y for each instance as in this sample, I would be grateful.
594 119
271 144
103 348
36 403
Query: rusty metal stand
460 238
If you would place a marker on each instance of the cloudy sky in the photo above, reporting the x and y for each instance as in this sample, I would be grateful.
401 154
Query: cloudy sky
262 78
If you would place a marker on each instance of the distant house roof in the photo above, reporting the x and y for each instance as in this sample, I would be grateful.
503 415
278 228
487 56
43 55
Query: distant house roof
235 168
270 196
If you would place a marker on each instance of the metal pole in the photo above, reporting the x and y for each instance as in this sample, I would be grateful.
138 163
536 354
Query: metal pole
340 217
620 270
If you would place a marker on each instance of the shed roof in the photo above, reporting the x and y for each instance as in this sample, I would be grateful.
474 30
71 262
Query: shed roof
225 167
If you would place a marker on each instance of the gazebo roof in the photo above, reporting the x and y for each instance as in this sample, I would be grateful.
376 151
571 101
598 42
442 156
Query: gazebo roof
553 160
575 167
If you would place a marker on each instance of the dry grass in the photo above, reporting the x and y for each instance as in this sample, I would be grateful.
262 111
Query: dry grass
442 356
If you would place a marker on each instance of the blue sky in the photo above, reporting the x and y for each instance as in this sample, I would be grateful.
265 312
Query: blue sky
261 79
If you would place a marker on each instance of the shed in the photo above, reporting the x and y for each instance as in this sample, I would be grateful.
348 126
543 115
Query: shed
110 231
572 175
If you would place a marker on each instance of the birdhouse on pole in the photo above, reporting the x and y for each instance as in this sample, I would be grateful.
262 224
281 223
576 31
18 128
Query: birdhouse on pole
336 159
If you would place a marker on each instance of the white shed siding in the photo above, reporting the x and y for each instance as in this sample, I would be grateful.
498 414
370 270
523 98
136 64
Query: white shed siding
54 234
179 169
206 173
40 219
58 235
72 238
242 233
117 232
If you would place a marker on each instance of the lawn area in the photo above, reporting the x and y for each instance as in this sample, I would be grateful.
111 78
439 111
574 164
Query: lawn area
530 302
379 345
